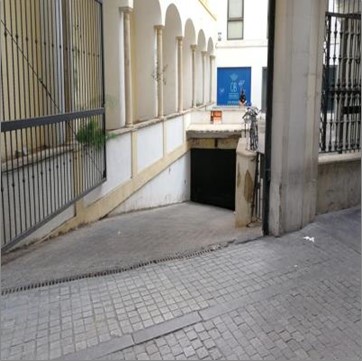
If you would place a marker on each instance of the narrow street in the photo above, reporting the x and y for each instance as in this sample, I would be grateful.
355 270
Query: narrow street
293 297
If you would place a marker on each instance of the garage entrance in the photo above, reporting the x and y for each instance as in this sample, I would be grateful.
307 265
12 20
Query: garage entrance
213 177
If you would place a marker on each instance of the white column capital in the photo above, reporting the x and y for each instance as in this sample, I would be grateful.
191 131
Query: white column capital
159 28
193 47
126 9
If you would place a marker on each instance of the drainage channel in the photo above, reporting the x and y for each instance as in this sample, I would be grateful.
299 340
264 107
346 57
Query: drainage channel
115 270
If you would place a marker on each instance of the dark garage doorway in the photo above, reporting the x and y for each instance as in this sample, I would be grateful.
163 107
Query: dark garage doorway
213 177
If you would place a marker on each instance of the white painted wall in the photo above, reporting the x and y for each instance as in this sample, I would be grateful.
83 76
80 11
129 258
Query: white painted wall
118 167
255 19
171 186
174 133
252 51
149 145
246 56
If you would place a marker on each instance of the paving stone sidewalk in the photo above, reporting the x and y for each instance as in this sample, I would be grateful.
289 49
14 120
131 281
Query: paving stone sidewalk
273 299
123 241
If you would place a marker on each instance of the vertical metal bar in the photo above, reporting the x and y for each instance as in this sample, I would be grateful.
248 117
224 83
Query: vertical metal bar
28 165
14 115
8 184
343 96
13 183
334 93
37 110
8 68
93 58
33 57
40 134
53 127
48 192
18 59
27 35
269 115
3 63
3 209
326 89
24 58
33 178
102 84
22 170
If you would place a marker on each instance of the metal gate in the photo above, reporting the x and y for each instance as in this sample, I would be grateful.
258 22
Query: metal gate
340 125
53 128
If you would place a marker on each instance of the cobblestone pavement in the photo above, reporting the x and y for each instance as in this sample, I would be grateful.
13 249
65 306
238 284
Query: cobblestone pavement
273 298
123 241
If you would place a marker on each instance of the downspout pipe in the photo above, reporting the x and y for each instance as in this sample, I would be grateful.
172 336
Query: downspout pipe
269 116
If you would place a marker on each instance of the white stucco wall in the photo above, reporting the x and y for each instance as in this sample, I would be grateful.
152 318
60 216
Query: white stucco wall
174 133
149 145
171 186
118 167
251 55
252 50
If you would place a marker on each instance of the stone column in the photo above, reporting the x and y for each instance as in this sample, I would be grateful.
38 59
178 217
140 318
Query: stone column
204 53
298 54
180 75
212 61
159 69
113 65
244 187
127 66
193 66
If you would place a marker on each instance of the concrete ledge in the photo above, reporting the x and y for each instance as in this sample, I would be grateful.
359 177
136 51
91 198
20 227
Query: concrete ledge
213 130
100 350
339 182
166 327
338 158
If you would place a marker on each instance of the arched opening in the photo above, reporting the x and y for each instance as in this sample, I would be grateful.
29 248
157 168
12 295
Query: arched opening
173 28
200 76
147 14
209 71
189 39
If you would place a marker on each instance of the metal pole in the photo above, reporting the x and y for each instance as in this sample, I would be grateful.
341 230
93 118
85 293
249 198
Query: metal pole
269 116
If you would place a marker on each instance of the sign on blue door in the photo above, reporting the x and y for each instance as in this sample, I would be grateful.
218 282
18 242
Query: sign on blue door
230 83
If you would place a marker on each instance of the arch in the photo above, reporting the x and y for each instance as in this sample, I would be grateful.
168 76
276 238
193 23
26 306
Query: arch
146 14
189 39
209 71
173 28
210 46
200 76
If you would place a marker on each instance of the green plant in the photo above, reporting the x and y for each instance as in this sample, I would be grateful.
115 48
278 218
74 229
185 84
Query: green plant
91 134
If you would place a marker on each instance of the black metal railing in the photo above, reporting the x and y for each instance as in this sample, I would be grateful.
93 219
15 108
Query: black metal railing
257 202
53 128
340 124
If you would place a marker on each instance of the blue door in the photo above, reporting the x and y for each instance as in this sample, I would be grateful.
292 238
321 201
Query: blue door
230 83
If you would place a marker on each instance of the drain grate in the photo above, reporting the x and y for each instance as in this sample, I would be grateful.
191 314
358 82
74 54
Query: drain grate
94 274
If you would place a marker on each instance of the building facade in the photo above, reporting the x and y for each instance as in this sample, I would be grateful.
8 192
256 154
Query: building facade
241 51
73 70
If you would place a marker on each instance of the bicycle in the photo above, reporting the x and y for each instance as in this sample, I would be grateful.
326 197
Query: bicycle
250 116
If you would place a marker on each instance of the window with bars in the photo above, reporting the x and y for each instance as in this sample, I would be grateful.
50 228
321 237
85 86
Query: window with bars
235 23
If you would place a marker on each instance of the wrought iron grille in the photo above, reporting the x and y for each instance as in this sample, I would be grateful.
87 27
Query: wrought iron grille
257 202
340 125
53 128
